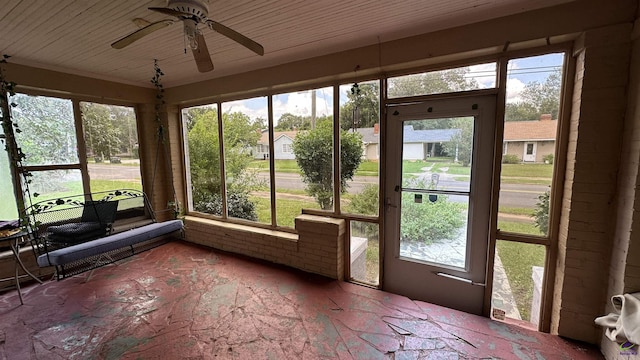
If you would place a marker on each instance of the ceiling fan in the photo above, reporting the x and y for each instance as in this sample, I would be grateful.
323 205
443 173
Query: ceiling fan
192 13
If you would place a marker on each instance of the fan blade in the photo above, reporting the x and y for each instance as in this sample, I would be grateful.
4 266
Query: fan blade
140 33
201 55
236 36
140 22
171 12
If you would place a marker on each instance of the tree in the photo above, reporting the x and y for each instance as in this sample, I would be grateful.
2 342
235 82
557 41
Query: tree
314 154
48 130
367 103
108 129
537 99
240 136
434 82
541 213
461 144
290 122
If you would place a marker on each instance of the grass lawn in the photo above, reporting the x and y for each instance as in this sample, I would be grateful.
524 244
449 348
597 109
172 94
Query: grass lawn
518 227
75 188
373 262
528 170
368 168
286 210
515 210
414 166
535 174
518 260
283 166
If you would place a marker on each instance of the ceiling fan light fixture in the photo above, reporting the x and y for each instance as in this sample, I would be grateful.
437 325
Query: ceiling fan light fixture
191 32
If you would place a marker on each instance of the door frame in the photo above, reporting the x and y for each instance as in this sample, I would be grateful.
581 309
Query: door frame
473 278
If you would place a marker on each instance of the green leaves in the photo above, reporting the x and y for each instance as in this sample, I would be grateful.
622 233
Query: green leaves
314 154
430 222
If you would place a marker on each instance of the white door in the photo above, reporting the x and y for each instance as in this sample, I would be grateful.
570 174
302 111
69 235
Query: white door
529 151
437 210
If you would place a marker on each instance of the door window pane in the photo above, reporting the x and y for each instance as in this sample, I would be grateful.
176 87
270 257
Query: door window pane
200 125
47 127
244 125
530 136
436 177
466 78
111 139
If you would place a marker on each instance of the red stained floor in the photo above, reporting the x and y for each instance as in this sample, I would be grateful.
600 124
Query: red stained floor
182 301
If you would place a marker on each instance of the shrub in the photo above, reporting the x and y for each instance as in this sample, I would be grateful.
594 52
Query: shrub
510 159
365 203
238 206
548 159
541 213
430 222
314 155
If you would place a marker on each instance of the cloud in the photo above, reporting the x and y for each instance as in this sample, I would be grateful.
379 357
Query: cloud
244 107
299 103
484 74
514 89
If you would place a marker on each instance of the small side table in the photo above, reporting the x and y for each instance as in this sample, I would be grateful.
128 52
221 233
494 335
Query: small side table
14 241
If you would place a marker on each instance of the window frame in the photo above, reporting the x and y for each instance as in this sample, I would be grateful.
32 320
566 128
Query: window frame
81 165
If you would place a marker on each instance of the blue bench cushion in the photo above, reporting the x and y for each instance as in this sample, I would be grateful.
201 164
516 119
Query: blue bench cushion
109 243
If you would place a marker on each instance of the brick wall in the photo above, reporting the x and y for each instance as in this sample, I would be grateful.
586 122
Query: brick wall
318 248
624 271
586 230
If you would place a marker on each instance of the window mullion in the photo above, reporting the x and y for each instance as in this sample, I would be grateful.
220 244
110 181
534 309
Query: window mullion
82 153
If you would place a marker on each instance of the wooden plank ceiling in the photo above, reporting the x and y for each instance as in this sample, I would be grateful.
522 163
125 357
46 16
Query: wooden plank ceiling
74 36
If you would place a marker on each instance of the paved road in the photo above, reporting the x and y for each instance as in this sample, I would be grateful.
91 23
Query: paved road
113 172
512 195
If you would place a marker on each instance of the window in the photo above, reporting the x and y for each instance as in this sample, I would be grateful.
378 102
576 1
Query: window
530 137
304 176
49 141
111 146
203 154
8 205
248 184
530 140
360 124
466 78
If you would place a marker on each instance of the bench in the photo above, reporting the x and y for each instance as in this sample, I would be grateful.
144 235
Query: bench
82 232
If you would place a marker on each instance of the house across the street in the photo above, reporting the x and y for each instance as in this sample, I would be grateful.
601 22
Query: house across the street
530 141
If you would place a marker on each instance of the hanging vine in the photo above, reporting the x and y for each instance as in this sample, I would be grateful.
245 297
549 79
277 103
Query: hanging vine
156 80
160 102
16 155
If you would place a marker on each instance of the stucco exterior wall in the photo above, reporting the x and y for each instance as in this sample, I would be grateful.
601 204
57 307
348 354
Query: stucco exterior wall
413 151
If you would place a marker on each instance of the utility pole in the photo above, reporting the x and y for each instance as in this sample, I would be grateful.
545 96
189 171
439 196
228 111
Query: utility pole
313 109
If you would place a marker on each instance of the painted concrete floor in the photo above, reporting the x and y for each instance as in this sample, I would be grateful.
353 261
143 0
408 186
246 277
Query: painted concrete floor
182 301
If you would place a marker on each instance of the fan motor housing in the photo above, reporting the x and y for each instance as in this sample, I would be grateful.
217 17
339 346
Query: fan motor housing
199 8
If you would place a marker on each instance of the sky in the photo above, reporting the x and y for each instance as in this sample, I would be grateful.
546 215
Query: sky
520 72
